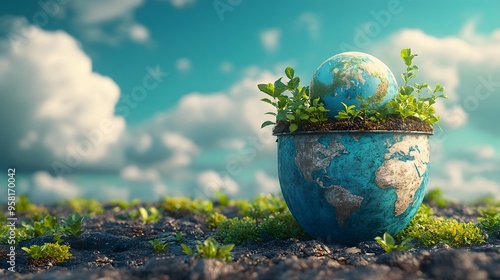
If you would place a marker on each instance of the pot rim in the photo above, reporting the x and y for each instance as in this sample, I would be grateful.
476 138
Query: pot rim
351 131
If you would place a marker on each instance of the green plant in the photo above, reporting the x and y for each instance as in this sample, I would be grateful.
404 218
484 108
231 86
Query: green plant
186 249
282 226
490 220
236 230
262 206
210 249
150 215
158 245
409 101
86 205
349 113
389 244
179 237
120 204
294 109
277 226
436 197
47 225
429 230
187 205
488 200
214 219
33 211
222 199
72 225
48 252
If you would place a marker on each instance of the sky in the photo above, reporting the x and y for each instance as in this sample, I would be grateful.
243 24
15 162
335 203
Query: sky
142 99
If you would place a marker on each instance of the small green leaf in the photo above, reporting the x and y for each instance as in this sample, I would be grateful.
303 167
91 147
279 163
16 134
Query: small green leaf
293 127
293 83
267 88
267 100
144 213
289 72
266 123
388 239
186 249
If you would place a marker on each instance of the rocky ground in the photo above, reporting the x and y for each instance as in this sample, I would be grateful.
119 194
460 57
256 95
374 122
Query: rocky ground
113 248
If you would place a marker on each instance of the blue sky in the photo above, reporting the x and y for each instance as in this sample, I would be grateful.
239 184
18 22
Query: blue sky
135 98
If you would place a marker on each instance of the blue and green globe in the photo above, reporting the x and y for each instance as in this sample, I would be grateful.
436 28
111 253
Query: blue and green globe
350 77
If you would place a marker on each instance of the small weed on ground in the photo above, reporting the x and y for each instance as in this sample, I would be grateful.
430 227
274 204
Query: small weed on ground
48 253
389 244
430 230
210 249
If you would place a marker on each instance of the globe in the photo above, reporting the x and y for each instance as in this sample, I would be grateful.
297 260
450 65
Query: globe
348 187
352 77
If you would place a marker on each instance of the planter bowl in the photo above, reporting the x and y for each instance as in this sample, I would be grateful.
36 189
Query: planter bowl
351 186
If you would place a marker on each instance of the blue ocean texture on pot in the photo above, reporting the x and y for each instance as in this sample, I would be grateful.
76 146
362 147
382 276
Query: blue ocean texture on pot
349 77
348 187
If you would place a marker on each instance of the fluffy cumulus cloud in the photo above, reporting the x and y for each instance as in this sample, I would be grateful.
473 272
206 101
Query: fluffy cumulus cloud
211 118
209 141
470 174
466 64
65 115
59 109
270 39
210 181
49 186
109 21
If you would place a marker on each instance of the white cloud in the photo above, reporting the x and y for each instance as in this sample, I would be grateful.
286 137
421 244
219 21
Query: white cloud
270 39
209 119
232 143
109 21
226 67
208 131
57 187
98 11
179 143
145 142
179 4
266 183
183 65
210 181
149 178
60 106
465 181
139 33
311 22
134 173
464 64
485 152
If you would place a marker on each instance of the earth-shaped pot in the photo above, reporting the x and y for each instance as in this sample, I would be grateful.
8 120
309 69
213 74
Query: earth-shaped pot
351 186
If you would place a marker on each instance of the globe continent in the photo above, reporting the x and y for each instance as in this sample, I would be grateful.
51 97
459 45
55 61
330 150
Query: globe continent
352 77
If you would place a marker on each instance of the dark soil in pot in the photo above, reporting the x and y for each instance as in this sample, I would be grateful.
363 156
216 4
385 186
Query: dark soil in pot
392 123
